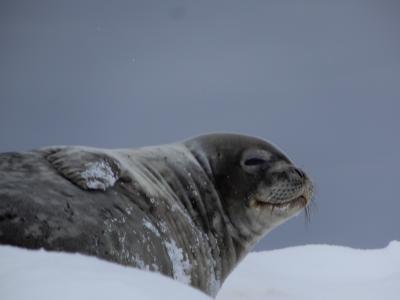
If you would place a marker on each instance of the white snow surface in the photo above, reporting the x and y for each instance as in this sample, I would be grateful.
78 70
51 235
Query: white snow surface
305 272
319 272
99 175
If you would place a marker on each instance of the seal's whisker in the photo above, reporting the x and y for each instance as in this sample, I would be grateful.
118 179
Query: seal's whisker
308 211
307 215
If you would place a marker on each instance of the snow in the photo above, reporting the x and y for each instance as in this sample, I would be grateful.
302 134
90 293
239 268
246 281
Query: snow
151 227
41 275
303 272
317 272
99 175
181 266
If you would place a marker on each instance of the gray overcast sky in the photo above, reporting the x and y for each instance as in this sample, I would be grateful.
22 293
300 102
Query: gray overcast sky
321 79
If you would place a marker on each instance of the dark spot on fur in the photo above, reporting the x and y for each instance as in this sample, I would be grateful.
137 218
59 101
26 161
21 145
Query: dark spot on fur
8 216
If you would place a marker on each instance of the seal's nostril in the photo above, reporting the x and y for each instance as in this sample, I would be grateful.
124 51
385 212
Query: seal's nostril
299 172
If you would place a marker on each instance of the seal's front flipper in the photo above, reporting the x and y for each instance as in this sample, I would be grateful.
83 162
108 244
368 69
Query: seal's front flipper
88 168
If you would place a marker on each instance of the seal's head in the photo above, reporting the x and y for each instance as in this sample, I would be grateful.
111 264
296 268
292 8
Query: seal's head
258 185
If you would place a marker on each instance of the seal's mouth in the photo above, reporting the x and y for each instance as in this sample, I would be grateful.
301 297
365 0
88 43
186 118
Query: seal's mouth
301 202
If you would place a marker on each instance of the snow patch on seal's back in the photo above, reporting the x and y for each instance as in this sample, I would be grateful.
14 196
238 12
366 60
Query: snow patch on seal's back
99 175
151 227
181 266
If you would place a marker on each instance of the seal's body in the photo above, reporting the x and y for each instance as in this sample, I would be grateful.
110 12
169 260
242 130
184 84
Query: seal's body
188 210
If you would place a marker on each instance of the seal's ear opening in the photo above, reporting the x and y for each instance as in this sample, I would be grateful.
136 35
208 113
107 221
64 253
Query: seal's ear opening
255 159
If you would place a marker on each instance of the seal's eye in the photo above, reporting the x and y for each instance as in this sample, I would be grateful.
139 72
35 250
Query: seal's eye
254 161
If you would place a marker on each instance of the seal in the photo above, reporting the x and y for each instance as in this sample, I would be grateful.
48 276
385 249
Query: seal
189 210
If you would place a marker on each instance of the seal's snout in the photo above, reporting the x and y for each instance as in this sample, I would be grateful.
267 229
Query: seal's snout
299 185
289 184
284 185
294 175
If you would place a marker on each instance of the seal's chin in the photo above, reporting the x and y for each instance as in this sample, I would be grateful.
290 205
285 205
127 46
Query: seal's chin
298 202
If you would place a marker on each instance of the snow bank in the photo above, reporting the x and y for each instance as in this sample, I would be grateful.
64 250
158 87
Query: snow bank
317 272
41 275
306 272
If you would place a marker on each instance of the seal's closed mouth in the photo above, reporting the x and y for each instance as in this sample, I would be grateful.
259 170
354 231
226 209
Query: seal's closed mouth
299 201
